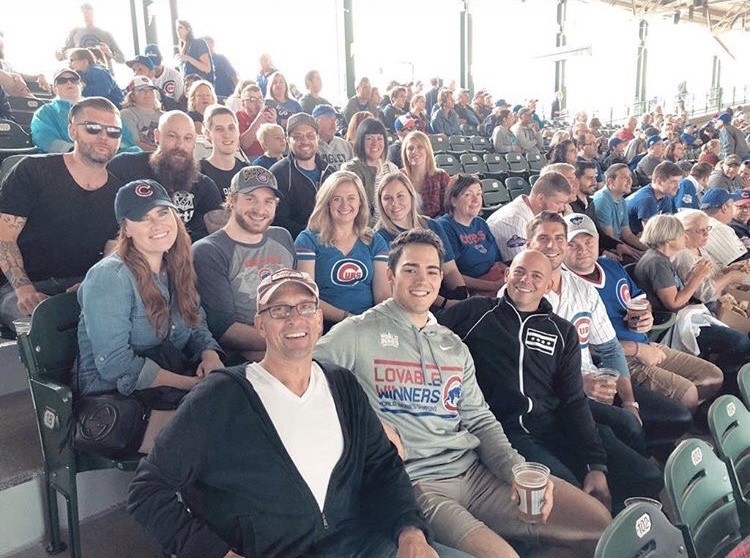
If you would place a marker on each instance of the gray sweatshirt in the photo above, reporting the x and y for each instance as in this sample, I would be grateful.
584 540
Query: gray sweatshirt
422 382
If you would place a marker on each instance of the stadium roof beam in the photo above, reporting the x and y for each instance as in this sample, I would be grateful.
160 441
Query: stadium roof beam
718 15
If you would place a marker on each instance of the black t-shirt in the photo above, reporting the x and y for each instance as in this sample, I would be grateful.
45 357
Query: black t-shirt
221 178
192 205
66 226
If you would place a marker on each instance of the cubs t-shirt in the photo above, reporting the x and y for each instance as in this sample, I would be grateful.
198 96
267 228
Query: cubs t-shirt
344 280
474 246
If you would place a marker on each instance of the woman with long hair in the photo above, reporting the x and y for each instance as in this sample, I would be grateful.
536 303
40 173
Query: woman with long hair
141 111
201 95
564 152
277 98
477 255
234 101
138 298
194 55
340 250
397 211
429 181
417 109
710 152
370 163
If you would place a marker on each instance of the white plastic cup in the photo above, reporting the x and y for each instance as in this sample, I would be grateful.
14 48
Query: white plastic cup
531 483
607 376
22 325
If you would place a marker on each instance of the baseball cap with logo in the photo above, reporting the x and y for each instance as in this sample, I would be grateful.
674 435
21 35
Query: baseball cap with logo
251 178
139 83
138 197
716 197
653 139
743 197
140 59
153 52
405 122
271 283
580 223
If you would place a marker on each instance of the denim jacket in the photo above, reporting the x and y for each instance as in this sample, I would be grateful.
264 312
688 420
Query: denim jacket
114 326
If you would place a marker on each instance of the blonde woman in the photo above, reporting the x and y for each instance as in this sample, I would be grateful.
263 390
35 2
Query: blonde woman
397 211
340 250
429 181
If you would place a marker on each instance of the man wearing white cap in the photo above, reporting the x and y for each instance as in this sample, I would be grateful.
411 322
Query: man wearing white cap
723 247
141 111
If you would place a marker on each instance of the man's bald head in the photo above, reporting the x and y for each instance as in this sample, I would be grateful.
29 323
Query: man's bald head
528 279
176 130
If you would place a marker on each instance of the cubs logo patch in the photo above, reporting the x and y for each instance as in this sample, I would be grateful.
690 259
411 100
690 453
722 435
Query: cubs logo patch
348 272
577 220
452 393
515 241
144 190
480 248
582 323
540 341
687 198
169 87
623 292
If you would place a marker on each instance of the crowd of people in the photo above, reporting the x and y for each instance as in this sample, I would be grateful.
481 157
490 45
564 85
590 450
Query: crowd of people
352 323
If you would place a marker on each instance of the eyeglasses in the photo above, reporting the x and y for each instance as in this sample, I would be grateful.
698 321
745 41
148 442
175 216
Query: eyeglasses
252 100
94 129
705 230
283 311
64 80
309 137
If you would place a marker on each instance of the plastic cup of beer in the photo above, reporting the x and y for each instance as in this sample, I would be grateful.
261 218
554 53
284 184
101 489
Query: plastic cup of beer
637 307
607 376
531 482
22 325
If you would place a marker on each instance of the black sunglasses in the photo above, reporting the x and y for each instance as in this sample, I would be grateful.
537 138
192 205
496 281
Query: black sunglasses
71 79
94 129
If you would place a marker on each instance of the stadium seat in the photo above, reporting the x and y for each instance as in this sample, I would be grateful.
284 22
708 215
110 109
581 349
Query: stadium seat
13 140
7 165
641 530
448 163
743 379
536 162
472 163
48 352
517 186
23 109
480 144
494 195
439 143
459 144
729 422
497 166
533 178
697 483
517 165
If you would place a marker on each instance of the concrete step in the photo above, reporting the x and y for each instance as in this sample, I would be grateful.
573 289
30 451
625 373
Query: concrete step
112 534
12 373
21 479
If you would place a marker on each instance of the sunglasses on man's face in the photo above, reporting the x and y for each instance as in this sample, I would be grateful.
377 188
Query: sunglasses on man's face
64 80
94 129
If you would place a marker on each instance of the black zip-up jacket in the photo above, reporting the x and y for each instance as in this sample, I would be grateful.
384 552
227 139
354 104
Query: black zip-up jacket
529 368
298 193
219 478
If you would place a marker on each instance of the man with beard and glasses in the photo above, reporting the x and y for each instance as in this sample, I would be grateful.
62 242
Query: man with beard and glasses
231 262
57 211
173 165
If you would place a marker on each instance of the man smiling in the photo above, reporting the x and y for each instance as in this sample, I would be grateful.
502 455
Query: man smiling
231 262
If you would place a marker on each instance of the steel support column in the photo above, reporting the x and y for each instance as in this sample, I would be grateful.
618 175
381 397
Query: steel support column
173 14
561 40
348 54
715 100
467 47
149 22
640 76
134 26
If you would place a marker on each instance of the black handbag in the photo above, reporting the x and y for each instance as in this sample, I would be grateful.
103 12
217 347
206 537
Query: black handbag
110 424
169 357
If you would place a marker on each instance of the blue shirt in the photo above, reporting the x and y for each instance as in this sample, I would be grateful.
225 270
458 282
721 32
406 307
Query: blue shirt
100 83
344 280
616 288
114 326
284 109
687 195
196 49
435 227
642 205
474 246
610 212
266 162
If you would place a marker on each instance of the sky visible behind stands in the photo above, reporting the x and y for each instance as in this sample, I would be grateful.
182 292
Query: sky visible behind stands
412 39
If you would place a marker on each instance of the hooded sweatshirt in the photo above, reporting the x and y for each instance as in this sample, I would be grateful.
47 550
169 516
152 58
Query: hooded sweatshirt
421 381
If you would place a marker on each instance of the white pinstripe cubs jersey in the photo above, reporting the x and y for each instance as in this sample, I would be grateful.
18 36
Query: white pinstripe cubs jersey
580 304
508 225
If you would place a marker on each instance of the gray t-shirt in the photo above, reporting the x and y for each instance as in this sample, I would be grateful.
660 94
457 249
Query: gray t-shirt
229 272
337 152
141 122
654 271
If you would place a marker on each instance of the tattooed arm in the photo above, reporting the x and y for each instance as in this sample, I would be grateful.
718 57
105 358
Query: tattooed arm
11 263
